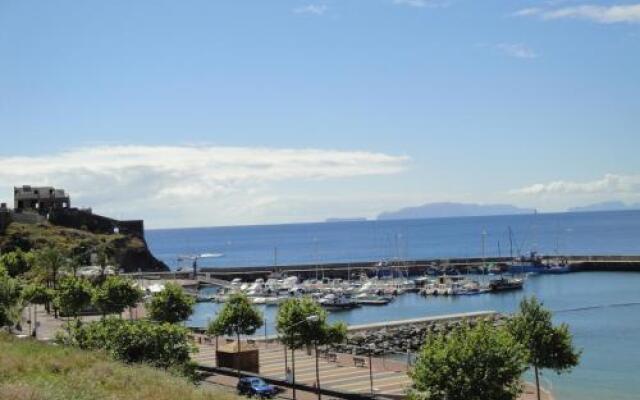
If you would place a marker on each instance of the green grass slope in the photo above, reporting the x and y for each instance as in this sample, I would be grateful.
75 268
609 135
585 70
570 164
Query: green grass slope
30 370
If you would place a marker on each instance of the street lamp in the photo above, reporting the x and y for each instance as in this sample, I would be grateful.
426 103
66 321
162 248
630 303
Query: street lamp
371 370
310 318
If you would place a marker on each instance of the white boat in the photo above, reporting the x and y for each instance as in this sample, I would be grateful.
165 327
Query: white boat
450 285
333 301
372 299
236 282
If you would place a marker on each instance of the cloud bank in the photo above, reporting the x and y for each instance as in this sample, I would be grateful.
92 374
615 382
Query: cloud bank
609 184
188 185
628 13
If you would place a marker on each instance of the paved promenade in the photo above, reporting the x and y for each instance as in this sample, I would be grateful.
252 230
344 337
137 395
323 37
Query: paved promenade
389 376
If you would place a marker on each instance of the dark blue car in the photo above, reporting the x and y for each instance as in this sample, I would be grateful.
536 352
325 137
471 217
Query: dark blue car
252 386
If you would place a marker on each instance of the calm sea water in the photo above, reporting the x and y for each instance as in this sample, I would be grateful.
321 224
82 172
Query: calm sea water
568 233
603 309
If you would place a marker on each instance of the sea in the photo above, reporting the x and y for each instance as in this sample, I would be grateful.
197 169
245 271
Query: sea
601 308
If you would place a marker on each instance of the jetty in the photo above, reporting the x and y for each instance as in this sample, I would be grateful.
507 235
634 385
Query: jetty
421 321
222 276
577 263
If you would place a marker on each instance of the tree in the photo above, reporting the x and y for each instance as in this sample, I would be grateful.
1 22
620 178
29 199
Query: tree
114 295
10 300
548 346
73 264
73 295
49 261
37 293
237 317
16 262
170 305
303 323
297 330
471 363
104 257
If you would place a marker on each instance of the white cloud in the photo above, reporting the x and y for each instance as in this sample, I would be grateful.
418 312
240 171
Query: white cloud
188 185
609 184
517 50
628 13
525 12
422 3
315 9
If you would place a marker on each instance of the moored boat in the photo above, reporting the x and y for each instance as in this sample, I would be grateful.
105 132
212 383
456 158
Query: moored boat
506 284
338 302
368 299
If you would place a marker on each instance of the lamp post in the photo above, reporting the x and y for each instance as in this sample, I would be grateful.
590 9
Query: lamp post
317 371
310 318
370 371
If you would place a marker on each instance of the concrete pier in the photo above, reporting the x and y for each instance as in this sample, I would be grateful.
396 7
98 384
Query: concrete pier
414 267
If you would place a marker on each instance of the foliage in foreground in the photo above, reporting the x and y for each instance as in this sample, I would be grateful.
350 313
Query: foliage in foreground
115 294
73 295
237 317
296 331
160 345
37 371
471 363
170 305
10 299
548 346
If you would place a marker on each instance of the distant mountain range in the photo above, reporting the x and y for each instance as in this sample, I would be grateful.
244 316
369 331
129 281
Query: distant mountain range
447 209
606 206
356 219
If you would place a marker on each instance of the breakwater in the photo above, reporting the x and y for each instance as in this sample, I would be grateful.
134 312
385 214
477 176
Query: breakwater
604 263
407 335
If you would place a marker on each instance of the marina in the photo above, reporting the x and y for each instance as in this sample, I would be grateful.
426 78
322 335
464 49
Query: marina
599 306
598 298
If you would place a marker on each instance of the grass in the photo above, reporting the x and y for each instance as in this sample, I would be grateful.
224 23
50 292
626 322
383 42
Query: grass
43 235
31 370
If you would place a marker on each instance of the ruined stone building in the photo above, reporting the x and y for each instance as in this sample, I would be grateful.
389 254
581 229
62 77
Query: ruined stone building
40 199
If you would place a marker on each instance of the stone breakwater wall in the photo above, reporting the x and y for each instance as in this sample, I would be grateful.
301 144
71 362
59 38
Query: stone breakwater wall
409 335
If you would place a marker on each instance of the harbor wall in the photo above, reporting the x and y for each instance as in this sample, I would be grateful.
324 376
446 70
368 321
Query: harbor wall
407 335
414 267
219 275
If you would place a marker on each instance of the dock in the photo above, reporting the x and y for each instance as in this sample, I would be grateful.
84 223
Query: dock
578 263
222 276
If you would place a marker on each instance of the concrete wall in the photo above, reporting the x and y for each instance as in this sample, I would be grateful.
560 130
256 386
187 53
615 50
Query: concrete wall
5 219
81 219
27 217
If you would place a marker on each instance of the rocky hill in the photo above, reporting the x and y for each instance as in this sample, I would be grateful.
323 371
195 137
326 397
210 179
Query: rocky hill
129 252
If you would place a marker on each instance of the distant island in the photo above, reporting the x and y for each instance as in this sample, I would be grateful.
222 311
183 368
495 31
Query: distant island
356 219
606 206
448 209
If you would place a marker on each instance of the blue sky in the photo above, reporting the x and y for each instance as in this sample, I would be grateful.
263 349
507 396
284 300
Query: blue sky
352 107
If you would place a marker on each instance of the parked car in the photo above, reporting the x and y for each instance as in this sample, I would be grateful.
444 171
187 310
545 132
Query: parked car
252 386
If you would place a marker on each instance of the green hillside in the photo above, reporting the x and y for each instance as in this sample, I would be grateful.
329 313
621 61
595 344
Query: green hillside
31 370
